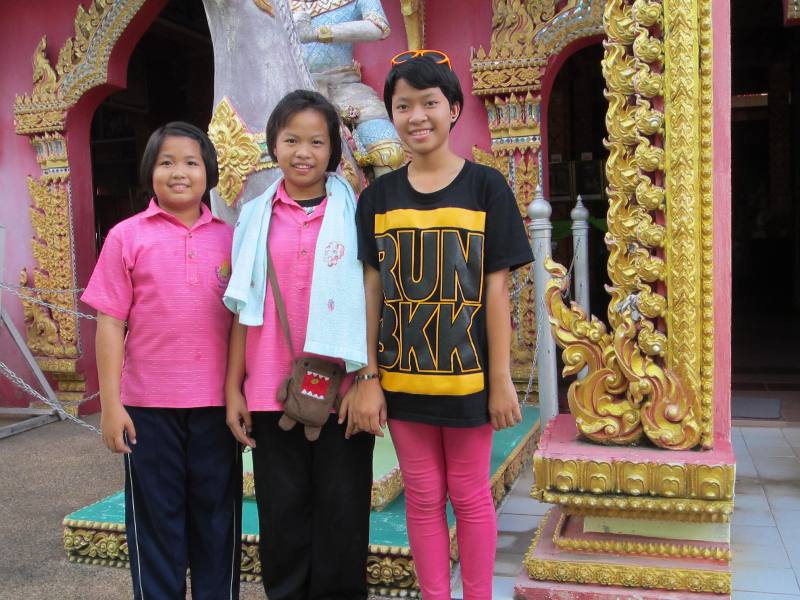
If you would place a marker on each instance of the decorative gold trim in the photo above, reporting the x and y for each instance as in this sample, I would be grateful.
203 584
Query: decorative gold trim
109 548
413 12
237 150
632 576
57 365
682 183
677 482
703 510
248 485
508 472
625 547
386 489
633 507
706 315
318 7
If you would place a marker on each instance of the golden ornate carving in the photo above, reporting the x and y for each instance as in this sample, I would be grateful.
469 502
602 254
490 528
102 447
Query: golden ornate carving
386 154
45 81
77 68
614 546
413 12
51 332
385 572
250 569
96 547
670 481
349 171
626 575
237 150
630 390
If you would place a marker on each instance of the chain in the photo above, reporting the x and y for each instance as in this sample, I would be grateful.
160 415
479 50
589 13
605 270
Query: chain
19 382
8 287
26 298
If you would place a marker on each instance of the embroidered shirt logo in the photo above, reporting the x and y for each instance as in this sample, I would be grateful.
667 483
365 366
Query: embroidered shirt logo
223 272
334 252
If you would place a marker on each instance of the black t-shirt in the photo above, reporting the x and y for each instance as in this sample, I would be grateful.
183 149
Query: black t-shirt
433 251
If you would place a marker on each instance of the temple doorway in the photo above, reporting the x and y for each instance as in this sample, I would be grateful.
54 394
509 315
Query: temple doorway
576 166
765 220
170 77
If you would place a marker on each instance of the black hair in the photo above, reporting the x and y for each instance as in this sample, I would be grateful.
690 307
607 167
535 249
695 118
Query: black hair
179 129
424 72
298 101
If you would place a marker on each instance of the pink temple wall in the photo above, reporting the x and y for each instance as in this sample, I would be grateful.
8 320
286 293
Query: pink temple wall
721 19
20 31
21 28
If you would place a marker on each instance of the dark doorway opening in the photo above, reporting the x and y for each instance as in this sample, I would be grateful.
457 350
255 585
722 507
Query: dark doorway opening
765 138
170 77
575 131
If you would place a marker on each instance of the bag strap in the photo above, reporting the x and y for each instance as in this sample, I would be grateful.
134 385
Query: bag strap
276 292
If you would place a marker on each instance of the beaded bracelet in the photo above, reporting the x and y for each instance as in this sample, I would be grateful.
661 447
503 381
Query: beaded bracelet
368 376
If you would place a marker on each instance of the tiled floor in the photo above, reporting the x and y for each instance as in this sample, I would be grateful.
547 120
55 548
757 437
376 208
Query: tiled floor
765 527
766 521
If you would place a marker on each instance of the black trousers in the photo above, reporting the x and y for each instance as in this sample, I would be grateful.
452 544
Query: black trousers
183 501
313 509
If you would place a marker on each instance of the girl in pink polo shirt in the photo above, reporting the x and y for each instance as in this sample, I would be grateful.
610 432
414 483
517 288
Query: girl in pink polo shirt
161 347
313 496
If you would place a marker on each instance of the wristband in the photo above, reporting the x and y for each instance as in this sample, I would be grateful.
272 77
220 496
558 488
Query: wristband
368 376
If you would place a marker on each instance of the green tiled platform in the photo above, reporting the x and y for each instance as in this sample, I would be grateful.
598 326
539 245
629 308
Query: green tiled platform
95 534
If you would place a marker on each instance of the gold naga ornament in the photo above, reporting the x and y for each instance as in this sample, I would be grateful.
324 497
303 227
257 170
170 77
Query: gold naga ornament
633 390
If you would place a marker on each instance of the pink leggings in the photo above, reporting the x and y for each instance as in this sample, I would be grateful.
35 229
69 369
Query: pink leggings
438 462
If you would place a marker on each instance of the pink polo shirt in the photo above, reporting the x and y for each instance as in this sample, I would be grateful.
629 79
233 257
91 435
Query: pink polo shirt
292 242
167 281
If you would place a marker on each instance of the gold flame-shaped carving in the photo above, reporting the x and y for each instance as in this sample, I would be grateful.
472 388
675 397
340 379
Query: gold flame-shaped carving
237 150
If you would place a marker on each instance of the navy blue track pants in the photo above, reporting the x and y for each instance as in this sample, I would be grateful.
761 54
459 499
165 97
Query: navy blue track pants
183 499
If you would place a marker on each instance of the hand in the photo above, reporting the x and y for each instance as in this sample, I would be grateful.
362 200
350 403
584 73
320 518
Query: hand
504 408
115 423
238 417
367 409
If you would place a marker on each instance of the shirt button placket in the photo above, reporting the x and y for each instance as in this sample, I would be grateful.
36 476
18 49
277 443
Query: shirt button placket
191 262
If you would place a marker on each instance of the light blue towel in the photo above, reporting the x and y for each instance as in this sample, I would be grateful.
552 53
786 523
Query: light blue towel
337 320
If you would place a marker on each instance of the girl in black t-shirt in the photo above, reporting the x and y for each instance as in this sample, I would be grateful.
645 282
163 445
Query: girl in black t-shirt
438 239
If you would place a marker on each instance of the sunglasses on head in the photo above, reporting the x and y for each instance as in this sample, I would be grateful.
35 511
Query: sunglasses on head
439 57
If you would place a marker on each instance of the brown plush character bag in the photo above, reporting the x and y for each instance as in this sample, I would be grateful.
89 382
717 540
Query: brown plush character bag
312 388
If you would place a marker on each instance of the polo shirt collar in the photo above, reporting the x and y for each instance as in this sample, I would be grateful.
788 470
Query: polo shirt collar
206 216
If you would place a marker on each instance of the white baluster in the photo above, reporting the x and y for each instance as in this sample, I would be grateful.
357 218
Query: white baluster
540 228
580 274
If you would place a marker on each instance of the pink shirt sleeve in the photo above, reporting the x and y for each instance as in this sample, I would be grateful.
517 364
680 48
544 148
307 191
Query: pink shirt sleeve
110 289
